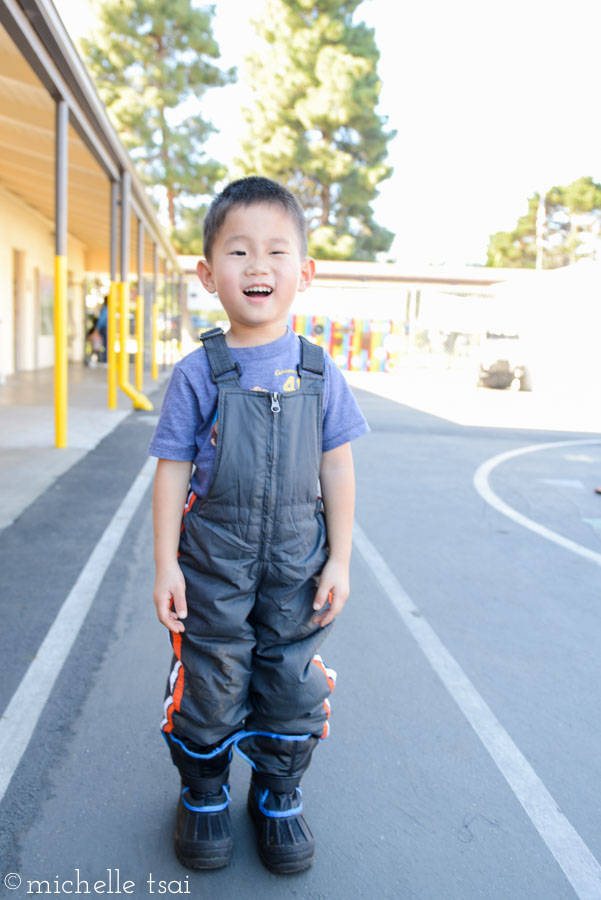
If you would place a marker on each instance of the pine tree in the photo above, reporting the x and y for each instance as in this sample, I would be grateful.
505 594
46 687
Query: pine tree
313 123
151 60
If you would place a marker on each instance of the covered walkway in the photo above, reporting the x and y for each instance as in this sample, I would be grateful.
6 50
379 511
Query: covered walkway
73 210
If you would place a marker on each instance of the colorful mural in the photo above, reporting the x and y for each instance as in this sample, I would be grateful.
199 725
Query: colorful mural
356 345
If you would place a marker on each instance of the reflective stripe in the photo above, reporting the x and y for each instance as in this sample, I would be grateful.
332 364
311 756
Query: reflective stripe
329 673
173 703
176 678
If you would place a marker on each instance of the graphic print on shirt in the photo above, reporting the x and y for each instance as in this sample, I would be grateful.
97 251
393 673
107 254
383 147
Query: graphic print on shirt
292 383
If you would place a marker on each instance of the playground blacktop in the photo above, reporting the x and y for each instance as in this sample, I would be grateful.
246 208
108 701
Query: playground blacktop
30 463
469 649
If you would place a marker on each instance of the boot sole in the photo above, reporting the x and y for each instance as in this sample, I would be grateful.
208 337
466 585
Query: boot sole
218 860
273 860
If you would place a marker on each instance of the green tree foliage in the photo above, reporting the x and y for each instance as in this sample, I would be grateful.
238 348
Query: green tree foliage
151 60
312 124
572 229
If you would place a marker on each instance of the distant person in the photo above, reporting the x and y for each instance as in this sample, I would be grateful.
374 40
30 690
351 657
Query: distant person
101 326
598 489
255 571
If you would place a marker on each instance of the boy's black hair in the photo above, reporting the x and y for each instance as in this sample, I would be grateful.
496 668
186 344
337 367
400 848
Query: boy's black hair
244 192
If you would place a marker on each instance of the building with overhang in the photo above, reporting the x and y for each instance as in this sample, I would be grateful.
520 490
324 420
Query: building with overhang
71 203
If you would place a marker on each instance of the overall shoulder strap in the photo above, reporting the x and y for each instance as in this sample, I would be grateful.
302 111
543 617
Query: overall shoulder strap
312 360
223 367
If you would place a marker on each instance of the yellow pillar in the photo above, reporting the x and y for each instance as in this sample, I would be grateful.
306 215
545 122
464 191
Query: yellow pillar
140 342
60 351
139 400
154 364
111 353
123 332
61 372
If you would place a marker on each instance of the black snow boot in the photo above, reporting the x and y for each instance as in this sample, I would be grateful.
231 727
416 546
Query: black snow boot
203 833
285 841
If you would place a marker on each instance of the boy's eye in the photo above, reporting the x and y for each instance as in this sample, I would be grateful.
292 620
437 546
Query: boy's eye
237 253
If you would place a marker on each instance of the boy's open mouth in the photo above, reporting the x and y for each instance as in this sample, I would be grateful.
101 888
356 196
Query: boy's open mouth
260 291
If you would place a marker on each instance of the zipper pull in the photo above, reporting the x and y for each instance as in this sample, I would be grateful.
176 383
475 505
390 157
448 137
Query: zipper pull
275 403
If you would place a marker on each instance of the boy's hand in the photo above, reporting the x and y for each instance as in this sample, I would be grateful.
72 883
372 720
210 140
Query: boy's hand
170 598
334 588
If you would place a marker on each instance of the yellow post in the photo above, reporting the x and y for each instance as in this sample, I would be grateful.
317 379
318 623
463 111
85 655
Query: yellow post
111 353
60 351
140 342
123 332
139 400
154 365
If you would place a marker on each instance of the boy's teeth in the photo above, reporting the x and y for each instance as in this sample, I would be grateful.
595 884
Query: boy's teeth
258 290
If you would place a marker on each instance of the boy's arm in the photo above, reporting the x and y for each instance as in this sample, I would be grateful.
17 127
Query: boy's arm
171 484
337 479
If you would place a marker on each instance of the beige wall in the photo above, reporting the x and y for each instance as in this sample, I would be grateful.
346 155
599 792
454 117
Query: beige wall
26 231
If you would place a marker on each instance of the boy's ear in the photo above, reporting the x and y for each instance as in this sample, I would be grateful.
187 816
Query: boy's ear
203 270
307 273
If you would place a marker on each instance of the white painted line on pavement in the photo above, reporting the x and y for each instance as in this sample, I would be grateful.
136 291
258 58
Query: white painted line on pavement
20 717
571 483
577 862
486 492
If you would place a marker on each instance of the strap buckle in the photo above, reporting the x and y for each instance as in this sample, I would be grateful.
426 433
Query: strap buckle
220 359
211 333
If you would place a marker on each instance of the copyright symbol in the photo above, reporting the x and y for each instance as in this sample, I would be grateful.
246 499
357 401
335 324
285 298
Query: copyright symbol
12 881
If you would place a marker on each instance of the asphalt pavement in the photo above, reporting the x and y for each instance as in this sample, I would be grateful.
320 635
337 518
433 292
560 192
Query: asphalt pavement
463 761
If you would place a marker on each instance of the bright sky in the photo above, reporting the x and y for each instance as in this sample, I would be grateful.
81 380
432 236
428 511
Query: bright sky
491 101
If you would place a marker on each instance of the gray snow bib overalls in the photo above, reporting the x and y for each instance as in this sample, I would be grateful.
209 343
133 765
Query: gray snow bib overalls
246 670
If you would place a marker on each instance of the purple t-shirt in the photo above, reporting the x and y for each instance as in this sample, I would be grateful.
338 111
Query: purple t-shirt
185 424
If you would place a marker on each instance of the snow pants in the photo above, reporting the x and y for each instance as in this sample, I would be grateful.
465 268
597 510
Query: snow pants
246 671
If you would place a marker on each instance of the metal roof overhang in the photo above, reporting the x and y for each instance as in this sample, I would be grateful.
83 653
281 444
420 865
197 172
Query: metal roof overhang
38 66
336 271
344 272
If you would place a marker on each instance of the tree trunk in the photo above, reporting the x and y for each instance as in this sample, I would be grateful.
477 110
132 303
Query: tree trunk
325 205
165 146
165 161
170 200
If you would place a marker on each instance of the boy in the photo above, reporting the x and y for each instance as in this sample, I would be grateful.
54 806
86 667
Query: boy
248 585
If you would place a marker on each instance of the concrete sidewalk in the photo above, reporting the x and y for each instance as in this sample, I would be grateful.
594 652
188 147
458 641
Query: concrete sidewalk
448 390
29 461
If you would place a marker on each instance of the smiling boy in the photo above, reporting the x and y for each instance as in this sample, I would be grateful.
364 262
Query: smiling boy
249 584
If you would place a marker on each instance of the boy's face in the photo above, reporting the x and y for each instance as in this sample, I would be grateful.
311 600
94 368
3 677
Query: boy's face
256 268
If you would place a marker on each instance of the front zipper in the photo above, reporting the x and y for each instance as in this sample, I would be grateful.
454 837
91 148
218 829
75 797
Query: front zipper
269 498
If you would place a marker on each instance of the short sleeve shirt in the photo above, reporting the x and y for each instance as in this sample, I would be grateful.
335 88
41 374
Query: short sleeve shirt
189 409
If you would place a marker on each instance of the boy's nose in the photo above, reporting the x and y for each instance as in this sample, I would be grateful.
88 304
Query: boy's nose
257 265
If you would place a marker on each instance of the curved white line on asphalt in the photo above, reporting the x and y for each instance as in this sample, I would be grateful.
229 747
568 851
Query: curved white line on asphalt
483 487
567 847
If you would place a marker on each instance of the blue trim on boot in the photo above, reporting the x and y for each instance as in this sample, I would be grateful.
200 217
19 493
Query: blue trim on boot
233 741
278 814
207 809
